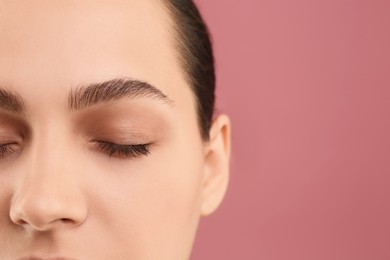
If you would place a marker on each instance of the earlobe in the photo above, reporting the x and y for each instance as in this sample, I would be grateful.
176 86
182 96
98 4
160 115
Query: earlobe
216 168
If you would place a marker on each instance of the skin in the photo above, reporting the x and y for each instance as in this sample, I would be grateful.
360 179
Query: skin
62 196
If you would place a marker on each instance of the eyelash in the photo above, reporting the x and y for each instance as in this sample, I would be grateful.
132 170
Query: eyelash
6 149
124 150
120 150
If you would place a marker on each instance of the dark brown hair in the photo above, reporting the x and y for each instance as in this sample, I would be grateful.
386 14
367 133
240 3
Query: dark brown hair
196 57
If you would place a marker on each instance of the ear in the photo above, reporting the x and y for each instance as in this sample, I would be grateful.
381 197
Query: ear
216 167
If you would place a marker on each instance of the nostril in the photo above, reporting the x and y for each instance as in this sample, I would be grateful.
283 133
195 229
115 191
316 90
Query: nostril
66 220
17 217
21 222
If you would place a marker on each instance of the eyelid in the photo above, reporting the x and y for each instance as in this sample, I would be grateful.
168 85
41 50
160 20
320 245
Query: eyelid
123 150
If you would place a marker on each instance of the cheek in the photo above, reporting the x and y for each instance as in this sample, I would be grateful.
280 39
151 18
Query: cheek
178 181
153 202
9 239
5 196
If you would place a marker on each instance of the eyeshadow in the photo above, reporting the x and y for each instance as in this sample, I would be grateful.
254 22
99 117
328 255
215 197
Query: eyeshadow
12 128
123 123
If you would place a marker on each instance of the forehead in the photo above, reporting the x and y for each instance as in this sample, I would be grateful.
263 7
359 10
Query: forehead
58 42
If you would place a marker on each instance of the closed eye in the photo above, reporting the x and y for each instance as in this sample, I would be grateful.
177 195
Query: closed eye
123 150
6 149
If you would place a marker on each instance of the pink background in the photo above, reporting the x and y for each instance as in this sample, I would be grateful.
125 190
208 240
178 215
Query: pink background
307 85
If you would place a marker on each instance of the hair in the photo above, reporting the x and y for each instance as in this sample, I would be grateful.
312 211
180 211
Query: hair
196 58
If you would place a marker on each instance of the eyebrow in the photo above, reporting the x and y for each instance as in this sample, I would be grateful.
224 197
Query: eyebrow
112 90
11 102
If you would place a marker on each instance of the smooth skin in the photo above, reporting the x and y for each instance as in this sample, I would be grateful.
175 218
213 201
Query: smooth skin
60 194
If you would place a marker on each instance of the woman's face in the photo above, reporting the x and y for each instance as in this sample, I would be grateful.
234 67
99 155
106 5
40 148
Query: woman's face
100 151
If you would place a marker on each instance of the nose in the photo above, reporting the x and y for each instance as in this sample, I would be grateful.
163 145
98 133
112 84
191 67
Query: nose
48 197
